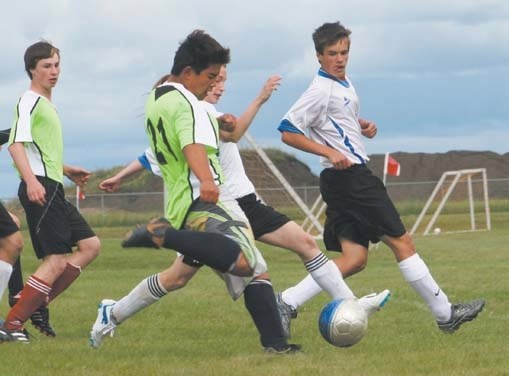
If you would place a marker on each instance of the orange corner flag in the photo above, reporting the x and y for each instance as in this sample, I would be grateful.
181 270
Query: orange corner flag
392 166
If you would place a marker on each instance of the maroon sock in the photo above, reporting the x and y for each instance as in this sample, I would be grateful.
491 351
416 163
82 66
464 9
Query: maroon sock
34 294
71 272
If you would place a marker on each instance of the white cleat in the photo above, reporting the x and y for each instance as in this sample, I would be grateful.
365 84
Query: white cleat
103 324
374 302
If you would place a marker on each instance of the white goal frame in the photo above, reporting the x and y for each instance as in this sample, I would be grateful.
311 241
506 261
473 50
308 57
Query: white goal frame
457 177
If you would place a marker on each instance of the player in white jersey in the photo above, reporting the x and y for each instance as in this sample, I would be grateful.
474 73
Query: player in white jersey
267 224
325 121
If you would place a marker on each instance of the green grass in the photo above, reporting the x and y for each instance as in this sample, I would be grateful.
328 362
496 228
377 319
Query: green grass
200 331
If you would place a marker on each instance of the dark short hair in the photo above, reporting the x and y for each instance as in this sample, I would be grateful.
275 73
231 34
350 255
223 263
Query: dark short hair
199 51
38 51
329 33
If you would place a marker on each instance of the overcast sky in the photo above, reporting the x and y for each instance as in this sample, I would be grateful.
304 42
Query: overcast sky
433 75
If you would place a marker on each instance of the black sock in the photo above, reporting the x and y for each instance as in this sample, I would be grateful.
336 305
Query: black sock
261 303
212 249
15 281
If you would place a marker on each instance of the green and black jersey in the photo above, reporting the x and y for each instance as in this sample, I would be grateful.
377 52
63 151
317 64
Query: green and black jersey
37 126
175 118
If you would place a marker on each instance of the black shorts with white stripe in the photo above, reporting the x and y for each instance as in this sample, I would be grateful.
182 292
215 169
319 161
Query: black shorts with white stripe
57 226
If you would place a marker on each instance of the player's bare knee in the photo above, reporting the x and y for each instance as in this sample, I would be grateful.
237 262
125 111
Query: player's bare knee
11 247
16 241
402 247
91 246
352 263
309 241
242 267
359 264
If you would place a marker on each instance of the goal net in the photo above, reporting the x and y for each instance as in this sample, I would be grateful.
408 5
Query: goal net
459 203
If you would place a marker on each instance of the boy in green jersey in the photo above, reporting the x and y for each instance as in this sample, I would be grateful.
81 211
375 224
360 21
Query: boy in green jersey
55 225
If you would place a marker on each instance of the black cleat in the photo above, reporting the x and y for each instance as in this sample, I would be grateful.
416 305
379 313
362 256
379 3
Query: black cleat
461 313
4 335
283 349
40 320
7 335
141 236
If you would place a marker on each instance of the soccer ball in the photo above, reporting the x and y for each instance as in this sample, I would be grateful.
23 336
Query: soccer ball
343 323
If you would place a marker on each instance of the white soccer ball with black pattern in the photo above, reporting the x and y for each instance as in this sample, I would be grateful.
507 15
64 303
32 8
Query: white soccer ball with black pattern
343 323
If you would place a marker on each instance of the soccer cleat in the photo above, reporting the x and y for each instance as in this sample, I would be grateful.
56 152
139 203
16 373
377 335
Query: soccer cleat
4 335
461 313
40 320
103 324
283 349
374 302
286 313
7 335
148 236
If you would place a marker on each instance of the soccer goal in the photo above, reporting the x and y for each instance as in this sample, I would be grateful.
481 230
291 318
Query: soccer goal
463 185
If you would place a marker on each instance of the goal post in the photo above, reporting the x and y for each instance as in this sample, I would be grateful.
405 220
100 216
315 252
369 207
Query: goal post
456 176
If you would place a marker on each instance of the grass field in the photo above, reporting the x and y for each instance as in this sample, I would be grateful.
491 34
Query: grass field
200 331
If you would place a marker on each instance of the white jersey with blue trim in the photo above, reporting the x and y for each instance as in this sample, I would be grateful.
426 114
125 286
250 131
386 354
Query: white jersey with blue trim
237 183
149 162
328 112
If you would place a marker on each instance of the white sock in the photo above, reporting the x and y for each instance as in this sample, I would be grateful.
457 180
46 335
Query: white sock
417 274
5 274
147 292
302 292
327 275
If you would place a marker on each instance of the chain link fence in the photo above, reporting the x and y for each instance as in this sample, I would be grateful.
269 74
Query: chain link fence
111 209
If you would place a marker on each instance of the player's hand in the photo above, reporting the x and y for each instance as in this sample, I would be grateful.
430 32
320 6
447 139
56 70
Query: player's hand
209 191
227 122
369 129
270 86
338 160
36 192
110 185
77 175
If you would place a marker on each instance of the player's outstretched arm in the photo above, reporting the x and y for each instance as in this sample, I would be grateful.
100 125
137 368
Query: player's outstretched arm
113 184
245 120
77 175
